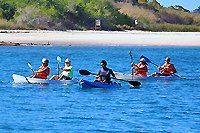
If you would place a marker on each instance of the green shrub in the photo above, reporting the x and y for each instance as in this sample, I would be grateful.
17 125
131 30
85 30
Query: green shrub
173 28
5 24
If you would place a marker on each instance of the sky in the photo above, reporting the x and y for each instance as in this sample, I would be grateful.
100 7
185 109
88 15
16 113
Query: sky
187 4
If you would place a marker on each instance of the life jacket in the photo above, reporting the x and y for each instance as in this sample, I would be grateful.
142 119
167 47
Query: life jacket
105 74
140 71
45 72
166 69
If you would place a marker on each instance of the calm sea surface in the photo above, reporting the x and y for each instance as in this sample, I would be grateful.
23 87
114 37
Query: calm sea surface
157 106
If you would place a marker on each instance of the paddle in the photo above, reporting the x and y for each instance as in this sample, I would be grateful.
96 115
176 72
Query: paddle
149 61
131 56
31 68
27 80
32 71
58 61
134 83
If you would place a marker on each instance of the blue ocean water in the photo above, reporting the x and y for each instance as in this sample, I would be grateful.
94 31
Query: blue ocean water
157 106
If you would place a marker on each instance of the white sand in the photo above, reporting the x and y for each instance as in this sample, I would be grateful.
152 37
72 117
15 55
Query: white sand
76 38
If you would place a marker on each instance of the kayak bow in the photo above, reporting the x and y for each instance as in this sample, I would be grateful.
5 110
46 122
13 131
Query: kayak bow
18 79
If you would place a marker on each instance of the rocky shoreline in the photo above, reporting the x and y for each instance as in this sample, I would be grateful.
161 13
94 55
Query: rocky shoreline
2 43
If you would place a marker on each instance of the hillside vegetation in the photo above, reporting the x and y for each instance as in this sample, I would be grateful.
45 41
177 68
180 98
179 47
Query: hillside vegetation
81 15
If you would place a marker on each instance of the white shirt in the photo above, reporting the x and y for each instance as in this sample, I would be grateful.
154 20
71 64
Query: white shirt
68 73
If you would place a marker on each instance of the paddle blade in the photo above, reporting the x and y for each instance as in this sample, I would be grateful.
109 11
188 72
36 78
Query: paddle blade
58 59
130 53
84 72
30 66
146 59
134 83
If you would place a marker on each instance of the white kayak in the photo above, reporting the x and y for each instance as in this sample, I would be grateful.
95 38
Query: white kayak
149 77
18 79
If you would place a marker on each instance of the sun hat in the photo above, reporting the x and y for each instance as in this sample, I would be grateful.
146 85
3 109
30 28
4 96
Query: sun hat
142 60
167 58
44 60
67 60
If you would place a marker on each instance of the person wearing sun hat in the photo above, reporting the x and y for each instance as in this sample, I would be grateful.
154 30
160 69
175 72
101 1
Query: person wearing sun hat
67 73
167 69
141 68
43 70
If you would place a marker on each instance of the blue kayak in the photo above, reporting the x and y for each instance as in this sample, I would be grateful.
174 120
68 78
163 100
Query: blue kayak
89 84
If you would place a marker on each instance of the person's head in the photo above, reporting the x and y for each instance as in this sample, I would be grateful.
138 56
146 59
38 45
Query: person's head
167 59
67 62
142 60
45 62
103 63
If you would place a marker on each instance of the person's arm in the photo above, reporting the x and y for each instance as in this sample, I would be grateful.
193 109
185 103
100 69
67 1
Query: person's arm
161 67
98 74
143 68
65 69
134 65
48 71
112 73
41 69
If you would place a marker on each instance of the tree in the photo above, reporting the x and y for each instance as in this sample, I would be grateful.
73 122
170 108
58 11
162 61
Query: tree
7 10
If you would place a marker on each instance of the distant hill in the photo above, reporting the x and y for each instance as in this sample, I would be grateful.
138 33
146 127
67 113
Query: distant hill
197 10
154 17
146 15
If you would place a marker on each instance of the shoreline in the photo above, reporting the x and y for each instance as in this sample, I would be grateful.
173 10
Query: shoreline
98 38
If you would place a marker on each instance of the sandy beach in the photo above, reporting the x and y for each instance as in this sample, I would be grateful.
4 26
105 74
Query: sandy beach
109 38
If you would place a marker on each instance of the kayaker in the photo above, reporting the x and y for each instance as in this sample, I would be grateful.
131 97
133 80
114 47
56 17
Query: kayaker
141 68
167 69
105 73
43 70
67 73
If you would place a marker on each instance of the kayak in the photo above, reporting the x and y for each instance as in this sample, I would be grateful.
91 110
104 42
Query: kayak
89 84
149 77
18 79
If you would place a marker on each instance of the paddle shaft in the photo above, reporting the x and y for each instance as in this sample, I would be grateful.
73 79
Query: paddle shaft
131 57
27 80
58 68
134 83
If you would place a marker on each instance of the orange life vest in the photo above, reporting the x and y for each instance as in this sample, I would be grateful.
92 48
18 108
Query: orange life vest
140 71
166 69
45 71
